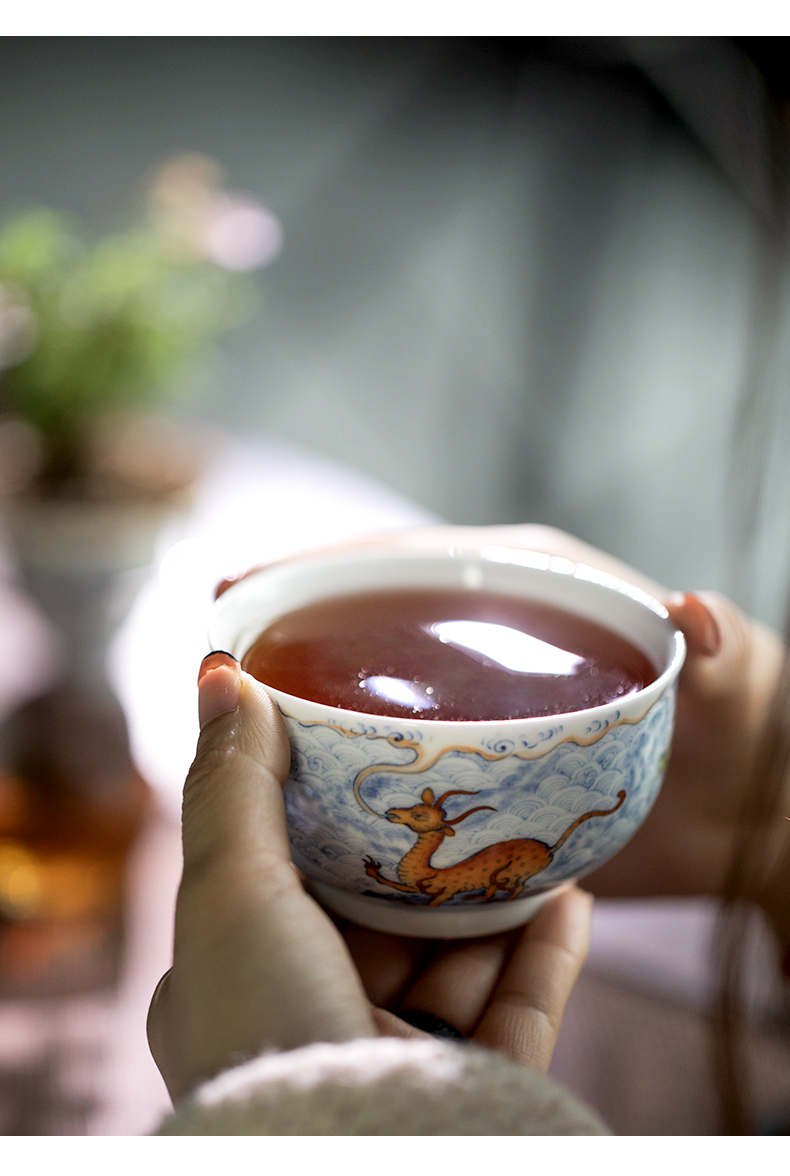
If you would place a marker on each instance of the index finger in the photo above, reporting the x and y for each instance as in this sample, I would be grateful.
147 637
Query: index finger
528 536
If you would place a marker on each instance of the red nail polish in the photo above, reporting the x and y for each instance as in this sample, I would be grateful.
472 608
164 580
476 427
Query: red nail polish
697 622
219 686
711 636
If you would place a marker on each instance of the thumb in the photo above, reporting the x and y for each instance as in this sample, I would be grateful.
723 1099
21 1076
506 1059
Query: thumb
233 794
256 963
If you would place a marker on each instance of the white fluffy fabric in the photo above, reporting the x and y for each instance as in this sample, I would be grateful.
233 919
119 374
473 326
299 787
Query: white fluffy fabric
382 1086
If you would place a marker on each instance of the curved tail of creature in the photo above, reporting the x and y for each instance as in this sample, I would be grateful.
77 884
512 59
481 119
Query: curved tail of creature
586 817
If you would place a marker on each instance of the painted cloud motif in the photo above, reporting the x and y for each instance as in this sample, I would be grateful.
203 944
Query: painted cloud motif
536 798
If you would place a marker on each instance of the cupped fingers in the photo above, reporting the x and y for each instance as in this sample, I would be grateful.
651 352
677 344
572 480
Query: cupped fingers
525 1012
457 984
386 964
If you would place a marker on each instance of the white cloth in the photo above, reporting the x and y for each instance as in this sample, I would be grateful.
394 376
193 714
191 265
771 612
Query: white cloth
382 1086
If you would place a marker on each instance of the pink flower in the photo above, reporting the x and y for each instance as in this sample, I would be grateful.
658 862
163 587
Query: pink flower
238 233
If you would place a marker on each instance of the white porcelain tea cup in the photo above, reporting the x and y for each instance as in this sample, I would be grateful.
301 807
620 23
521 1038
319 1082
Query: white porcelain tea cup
444 829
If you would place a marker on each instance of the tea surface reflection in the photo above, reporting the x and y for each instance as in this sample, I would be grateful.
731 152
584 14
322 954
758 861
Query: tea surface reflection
446 654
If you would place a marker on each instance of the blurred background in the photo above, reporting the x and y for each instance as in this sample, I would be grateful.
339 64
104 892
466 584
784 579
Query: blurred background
518 279
518 271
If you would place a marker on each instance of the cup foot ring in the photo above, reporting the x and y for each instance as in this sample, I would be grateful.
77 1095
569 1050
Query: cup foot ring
428 923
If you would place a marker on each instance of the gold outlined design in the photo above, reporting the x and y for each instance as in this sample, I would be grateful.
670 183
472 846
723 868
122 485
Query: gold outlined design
418 764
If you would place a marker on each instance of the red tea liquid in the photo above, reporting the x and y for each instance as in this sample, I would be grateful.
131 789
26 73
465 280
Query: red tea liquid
446 654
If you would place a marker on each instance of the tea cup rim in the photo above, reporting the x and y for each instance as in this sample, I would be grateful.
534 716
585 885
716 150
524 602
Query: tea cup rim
486 553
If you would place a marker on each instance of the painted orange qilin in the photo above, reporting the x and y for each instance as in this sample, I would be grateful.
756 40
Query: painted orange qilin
506 865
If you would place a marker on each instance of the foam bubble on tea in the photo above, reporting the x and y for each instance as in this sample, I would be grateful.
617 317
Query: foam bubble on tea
446 654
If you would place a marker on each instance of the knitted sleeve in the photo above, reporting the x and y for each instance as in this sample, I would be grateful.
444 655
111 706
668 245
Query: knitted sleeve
381 1086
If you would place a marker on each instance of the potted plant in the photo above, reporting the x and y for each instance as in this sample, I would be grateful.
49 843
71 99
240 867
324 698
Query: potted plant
95 336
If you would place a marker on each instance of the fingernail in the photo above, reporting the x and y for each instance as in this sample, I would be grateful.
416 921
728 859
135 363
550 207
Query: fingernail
219 686
712 637
698 623
229 581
